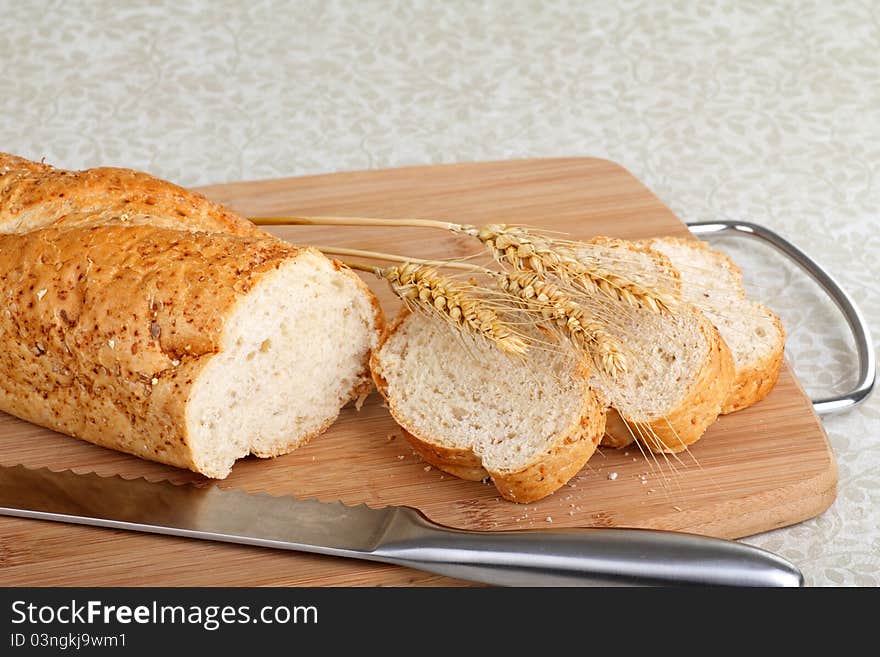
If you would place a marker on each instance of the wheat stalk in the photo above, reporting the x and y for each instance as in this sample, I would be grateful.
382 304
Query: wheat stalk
540 297
453 300
357 221
517 247
461 304
393 257
543 297
527 251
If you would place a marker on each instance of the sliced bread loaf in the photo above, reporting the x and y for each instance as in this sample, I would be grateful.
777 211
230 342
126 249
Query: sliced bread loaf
528 423
192 346
713 283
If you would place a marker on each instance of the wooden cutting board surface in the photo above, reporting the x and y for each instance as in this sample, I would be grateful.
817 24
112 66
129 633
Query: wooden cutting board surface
762 468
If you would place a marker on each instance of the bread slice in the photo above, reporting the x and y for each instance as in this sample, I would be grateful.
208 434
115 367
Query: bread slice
679 368
185 346
713 283
474 412
679 375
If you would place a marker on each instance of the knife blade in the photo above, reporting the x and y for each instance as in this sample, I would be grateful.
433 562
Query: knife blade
399 535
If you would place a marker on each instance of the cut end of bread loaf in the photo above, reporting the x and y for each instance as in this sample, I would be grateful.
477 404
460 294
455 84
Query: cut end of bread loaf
167 326
754 333
529 423
293 352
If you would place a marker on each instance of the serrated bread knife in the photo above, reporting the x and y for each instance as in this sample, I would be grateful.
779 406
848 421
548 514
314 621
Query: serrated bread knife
398 535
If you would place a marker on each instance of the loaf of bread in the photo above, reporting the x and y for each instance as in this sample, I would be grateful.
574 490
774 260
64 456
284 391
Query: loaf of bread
527 423
144 318
713 283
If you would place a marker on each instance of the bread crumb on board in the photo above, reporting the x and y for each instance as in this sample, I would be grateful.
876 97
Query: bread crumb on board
612 476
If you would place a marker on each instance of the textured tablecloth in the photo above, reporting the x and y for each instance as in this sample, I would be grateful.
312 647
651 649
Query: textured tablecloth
763 111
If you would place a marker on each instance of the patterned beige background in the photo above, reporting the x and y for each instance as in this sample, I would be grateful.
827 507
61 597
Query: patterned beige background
767 111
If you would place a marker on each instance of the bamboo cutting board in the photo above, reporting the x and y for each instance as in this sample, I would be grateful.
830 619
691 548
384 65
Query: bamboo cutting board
765 467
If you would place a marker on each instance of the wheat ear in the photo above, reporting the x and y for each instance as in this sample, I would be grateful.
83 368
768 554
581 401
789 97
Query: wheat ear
422 286
524 250
527 251
541 296
454 300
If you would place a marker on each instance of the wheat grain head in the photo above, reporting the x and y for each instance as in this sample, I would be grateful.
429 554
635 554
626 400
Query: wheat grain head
525 250
458 303
553 305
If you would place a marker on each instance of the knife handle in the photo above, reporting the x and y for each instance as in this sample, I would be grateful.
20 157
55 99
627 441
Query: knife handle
578 557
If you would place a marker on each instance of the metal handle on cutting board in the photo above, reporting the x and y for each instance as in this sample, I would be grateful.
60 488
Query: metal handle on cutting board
864 347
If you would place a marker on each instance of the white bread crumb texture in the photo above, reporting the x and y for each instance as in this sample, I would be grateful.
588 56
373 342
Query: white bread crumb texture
506 409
